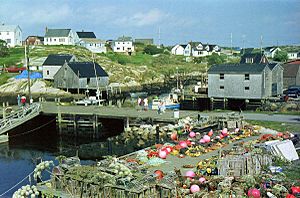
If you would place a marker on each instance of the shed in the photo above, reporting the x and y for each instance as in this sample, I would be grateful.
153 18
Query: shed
81 75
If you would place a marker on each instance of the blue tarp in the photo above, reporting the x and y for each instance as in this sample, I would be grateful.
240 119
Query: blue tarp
33 75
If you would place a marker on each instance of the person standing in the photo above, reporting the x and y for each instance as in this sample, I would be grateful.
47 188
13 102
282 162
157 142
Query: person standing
145 104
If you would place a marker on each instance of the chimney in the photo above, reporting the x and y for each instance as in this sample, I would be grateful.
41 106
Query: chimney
46 29
82 30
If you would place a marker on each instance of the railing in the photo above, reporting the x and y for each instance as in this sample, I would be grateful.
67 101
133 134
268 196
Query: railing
19 116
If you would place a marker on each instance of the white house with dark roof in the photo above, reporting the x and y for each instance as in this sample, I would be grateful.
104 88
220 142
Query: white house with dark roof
54 62
81 75
11 34
123 45
293 55
271 51
197 49
178 49
60 37
89 41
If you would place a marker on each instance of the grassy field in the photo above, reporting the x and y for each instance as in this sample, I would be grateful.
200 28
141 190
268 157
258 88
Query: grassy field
16 55
279 126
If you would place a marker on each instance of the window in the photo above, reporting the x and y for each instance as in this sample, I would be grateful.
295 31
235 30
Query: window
247 88
7 33
0 33
249 60
118 48
247 76
221 87
221 76
47 72
8 40
54 39
61 40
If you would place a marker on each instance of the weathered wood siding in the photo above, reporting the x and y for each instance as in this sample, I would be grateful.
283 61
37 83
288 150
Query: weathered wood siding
234 86
277 80
67 79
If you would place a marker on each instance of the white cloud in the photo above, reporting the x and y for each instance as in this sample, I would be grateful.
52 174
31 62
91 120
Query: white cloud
142 18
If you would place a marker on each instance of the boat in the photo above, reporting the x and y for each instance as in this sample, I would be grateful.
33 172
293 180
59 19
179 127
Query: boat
170 101
92 100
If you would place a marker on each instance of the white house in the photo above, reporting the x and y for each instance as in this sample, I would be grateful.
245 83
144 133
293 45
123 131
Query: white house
11 34
197 49
271 51
89 41
123 44
54 62
93 44
178 49
60 37
293 55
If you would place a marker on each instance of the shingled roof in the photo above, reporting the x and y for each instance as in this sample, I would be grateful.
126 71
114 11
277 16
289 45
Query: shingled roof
257 58
237 68
86 69
57 32
86 34
57 59
291 70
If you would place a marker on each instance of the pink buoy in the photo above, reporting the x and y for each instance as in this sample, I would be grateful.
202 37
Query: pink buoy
254 193
194 188
202 179
190 173
183 144
236 130
202 141
225 131
192 134
206 138
162 154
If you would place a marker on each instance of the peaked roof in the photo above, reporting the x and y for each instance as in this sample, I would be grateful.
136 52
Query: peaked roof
247 50
257 58
57 32
86 69
237 68
272 65
8 28
270 49
124 38
86 34
57 59
291 70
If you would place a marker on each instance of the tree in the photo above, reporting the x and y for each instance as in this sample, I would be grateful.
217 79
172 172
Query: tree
281 56
152 49
3 49
215 59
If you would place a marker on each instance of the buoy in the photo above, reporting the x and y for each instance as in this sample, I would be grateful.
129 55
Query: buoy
202 179
183 144
192 134
224 131
210 133
174 136
190 174
202 141
194 188
206 138
162 154
254 193
295 189
159 174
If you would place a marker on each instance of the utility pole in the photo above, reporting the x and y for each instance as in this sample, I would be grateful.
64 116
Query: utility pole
231 43
158 37
243 44
28 72
98 91
261 41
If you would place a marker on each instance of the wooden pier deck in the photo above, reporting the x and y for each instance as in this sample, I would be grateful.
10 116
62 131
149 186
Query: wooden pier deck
114 112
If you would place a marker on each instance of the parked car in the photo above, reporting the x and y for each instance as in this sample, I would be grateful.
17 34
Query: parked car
293 92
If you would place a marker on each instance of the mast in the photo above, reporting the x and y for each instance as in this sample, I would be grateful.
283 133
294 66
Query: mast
28 73
98 91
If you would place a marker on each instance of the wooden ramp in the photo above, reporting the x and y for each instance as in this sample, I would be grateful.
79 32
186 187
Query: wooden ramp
19 117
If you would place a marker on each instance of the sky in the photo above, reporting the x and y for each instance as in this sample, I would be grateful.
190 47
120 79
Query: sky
168 22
